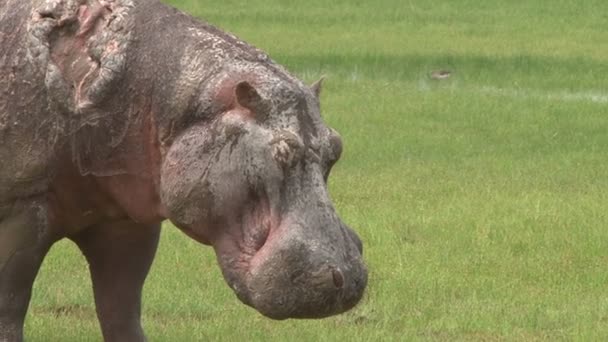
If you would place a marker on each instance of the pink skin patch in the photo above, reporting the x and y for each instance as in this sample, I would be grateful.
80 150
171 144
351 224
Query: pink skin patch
87 16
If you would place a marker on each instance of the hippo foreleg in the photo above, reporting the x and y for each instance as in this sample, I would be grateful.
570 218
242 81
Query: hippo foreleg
120 255
24 241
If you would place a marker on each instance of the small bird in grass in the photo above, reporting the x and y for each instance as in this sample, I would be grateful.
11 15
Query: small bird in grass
440 74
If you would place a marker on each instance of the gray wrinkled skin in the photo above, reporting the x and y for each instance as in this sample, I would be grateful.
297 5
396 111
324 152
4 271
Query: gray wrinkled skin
130 111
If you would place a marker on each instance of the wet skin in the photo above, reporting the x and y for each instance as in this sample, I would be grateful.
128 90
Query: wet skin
117 115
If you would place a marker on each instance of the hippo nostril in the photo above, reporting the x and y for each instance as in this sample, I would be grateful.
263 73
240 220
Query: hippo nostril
338 278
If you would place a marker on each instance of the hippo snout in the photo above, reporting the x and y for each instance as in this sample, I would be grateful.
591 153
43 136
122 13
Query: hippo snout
298 277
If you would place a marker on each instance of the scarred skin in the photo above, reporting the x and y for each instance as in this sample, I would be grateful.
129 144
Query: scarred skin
117 115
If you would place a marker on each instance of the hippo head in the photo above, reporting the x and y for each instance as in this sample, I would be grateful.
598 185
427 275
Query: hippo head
252 182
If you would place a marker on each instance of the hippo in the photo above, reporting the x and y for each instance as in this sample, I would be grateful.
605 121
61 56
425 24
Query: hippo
116 115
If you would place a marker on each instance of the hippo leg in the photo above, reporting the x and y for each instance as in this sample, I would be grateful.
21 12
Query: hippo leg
119 255
24 241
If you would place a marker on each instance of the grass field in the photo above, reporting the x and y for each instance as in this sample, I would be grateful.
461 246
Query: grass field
481 199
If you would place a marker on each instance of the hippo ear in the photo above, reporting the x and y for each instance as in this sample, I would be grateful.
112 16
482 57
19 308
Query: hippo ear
83 47
317 86
248 97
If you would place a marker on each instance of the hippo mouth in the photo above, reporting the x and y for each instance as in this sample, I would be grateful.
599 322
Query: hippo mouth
283 270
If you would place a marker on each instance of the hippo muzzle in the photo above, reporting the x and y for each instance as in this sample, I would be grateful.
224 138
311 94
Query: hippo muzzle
294 275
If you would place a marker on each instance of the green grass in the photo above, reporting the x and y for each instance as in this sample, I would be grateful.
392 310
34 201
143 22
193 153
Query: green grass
481 199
